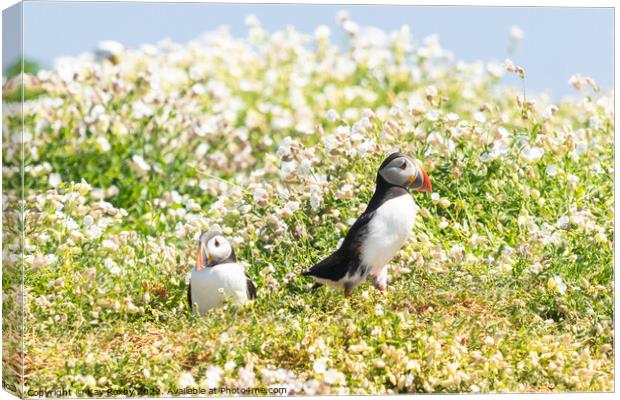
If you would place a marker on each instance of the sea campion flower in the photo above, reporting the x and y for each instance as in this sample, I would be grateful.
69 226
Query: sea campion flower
532 154
552 170
213 376
556 285
510 67
516 33
578 82
332 115
186 380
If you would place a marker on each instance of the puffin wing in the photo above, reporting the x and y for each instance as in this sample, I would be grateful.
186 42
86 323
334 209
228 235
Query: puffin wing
332 268
189 297
355 237
250 288
346 257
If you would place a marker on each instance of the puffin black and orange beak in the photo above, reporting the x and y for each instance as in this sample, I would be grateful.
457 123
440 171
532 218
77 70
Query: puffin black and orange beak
427 185
421 183
200 257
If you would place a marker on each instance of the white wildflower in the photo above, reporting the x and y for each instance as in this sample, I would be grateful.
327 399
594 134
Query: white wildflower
186 380
112 267
516 33
201 150
213 376
252 21
334 377
532 154
322 32
109 245
480 117
457 252
140 165
311 387
320 365
556 285
141 110
87 221
509 66
107 49
552 170
245 377
230 365
535 268
54 180
103 143
289 208
332 115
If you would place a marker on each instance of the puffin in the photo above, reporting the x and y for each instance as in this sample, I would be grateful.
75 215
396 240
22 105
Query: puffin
379 232
217 275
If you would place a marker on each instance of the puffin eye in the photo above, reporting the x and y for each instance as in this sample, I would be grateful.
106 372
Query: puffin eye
217 243
404 166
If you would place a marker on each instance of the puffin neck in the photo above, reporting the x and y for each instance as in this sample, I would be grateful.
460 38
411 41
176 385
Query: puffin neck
384 192
230 259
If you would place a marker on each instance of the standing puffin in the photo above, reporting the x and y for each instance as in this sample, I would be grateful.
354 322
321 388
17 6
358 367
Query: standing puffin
217 275
380 231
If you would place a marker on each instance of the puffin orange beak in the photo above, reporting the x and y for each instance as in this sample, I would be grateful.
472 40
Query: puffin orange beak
200 259
426 185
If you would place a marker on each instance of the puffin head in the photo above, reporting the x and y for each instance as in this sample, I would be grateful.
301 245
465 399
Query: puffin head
402 170
213 249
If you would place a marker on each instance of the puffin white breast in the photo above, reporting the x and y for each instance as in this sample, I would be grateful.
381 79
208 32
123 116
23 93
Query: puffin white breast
212 285
387 231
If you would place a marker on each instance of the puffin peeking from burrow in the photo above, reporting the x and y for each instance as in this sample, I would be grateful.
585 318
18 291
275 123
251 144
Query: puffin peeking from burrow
217 275
380 231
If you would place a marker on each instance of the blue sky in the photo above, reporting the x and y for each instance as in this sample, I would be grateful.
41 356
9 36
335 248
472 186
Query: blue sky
558 42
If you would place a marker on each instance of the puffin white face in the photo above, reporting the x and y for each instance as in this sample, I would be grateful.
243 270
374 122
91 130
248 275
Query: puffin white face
213 248
218 248
406 171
